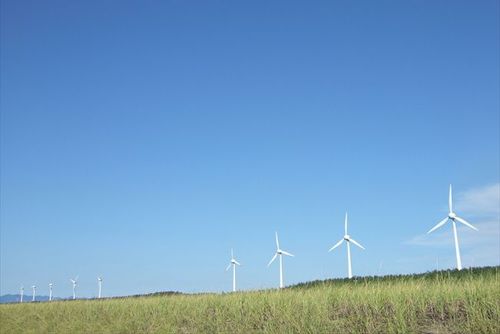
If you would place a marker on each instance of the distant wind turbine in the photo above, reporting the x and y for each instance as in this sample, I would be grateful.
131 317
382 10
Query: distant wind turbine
380 268
50 292
347 238
21 293
280 253
454 218
233 263
74 282
99 282
34 292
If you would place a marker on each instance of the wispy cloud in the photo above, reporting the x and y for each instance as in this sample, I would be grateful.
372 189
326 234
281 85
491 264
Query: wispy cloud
482 204
484 201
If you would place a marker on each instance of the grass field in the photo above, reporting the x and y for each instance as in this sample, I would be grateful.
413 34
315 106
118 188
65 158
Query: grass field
440 302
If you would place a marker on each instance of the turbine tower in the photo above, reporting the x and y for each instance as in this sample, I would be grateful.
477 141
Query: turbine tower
233 263
99 283
74 281
279 252
50 292
34 292
454 218
21 294
347 238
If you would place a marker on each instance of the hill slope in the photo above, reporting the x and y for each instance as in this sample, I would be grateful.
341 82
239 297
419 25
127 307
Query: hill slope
443 302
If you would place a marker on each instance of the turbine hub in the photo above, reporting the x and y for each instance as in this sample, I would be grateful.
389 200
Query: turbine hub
452 215
347 237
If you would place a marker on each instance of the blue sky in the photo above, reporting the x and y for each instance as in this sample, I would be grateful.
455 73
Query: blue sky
140 140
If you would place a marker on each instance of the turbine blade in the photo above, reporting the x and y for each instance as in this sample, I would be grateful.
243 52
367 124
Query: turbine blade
463 221
272 260
232 255
286 253
441 223
450 201
345 223
277 241
237 262
356 243
229 266
336 245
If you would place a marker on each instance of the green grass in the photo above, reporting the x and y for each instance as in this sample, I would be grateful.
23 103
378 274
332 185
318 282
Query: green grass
443 302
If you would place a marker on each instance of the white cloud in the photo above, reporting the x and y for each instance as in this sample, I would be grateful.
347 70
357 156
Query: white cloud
481 247
484 201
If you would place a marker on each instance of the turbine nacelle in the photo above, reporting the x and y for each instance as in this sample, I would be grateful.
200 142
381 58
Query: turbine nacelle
74 281
347 237
452 215
232 262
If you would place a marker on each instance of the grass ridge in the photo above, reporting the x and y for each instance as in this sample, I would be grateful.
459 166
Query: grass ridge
450 301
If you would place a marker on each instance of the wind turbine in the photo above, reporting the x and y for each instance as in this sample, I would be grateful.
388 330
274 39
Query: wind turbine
233 263
22 294
50 292
454 218
99 282
380 267
347 238
74 281
34 292
279 252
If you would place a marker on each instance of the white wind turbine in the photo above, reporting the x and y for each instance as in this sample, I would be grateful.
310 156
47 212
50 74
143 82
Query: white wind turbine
21 294
99 282
50 292
74 282
348 240
279 252
453 217
34 292
233 263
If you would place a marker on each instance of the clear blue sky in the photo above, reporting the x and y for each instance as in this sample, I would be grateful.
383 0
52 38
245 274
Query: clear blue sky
141 140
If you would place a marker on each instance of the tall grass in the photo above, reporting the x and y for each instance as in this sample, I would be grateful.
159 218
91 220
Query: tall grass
444 302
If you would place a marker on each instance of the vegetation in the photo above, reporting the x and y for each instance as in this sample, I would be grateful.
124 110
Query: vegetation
438 302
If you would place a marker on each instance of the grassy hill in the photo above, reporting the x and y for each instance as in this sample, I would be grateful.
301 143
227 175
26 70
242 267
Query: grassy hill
438 302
